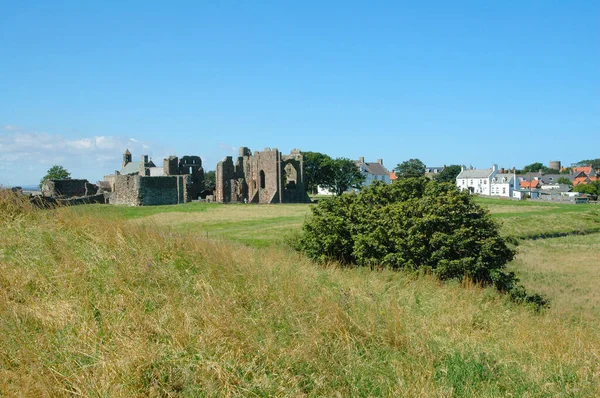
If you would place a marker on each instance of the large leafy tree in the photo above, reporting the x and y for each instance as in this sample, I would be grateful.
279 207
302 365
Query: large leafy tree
449 174
534 168
318 170
413 224
410 168
593 188
344 176
56 172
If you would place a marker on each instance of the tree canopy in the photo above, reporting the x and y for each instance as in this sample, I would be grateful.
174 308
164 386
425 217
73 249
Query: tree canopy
564 180
586 162
410 168
344 176
318 170
56 172
448 174
413 224
593 188
534 167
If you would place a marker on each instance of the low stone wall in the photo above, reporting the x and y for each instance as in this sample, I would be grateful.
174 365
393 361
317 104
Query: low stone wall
68 188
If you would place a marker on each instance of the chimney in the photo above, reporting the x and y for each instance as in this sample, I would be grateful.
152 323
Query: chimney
462 168
495 167
144 159
361 159
380 161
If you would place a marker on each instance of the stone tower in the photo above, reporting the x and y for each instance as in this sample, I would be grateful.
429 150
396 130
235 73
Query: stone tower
126 158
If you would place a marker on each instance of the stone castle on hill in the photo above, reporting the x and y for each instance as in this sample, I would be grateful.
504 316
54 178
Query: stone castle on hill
265 177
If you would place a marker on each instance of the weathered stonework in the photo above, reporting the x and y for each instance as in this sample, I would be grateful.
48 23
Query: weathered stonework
144 184
68 188
136 190
265 177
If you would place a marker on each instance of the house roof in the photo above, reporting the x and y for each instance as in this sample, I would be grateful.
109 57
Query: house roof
530 184
475 173
553 178
131 168
434 169
498 177
585 169
376 169
392 176
557 188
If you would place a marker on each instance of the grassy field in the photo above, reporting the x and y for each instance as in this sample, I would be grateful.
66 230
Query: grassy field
112 301
553 258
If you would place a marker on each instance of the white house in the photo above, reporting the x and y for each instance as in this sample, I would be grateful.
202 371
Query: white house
477 181
503 184
373 171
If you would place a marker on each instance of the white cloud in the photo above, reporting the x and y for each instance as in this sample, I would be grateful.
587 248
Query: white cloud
85 157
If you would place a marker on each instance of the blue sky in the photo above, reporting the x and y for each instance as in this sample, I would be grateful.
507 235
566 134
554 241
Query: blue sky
448 82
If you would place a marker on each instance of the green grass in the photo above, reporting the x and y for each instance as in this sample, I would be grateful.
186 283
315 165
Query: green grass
95 302
253 225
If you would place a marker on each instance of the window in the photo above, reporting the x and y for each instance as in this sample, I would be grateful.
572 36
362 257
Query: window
262 179
503 189
484 182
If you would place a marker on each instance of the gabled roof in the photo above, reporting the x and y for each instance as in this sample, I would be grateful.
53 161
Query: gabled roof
585 169
475 173
581 179
131 168
376 169
530 184
498 177
434 169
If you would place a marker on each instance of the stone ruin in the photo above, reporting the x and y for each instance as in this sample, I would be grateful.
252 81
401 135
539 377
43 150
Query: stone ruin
68 192
265 177
144 184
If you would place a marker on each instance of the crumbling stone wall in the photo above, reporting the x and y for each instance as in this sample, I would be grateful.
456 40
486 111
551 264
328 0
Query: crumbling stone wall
68 188
178 181
136 190
192 166
265 177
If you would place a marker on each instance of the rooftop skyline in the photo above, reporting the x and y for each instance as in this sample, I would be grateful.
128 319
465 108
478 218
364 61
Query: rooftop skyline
507 83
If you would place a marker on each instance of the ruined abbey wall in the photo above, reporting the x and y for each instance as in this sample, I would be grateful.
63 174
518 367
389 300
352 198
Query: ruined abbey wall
144 184
265 177
136 190
68 188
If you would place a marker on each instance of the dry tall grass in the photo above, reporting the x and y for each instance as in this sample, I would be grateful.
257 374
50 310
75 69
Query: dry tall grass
98 307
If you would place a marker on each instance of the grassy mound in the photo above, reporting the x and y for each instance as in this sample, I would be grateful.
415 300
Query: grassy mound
100 307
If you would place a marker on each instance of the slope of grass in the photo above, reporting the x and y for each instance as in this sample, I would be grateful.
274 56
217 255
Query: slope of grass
96 306
254 225
565 269
526 219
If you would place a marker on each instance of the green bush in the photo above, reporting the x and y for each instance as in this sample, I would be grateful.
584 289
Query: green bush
413 224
